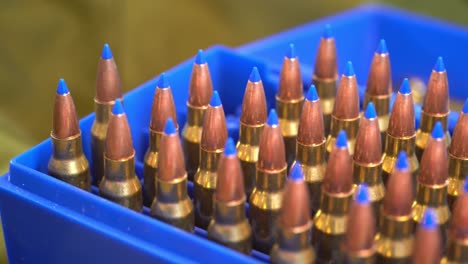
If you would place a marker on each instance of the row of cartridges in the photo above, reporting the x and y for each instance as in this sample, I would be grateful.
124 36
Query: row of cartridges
324 182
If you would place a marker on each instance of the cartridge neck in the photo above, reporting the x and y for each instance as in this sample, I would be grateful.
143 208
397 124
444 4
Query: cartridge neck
69 148
289 114
381 103
369 174
431 195
250 135
335 204
271 181
382 107
209 159
154 140
294 239
395 227
394 145
172 191
102 111
351 126
229 213
119 170
195 115
457 251
458 169
326 88
429 120
311 155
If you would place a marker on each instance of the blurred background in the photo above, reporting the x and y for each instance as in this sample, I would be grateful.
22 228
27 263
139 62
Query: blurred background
45 40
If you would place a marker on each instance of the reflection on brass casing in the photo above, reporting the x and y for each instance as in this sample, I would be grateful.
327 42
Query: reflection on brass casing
395 239
351 127
314 165
230 226
120 183
68 162
265 204
204 186
326 90
191 136
425 128
289 114
434 197
382 107
371 175
172 204
393 146
330 226
293 246
362 257
458 169
456 253
98 138
150 167
247 151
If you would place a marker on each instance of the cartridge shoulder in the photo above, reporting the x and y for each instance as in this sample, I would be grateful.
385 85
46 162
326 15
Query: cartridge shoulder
266 200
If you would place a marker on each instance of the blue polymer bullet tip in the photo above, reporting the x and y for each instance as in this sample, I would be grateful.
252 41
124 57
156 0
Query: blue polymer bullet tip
439 66
118 108
291 54
382 48
296 173
370 111
170 128
230 147
465 107
429 220
62 87
349 69
341 139
405 87
438 131
215 100
106 52
200 58
312 94
402 161
327 32
163 82
254 75
272 118
362 194
465 186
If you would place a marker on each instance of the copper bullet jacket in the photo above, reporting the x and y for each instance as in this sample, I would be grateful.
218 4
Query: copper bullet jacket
457 246
230 226
401 134
458 157
163 108
171 203
325 77
345 114
108 89
435 107
337 189
289 102
67 162
294 223
200 91
252 120
120 183
267 195
213 138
